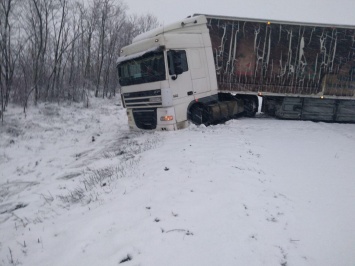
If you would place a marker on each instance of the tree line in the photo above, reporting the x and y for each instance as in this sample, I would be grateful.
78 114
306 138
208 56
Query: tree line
55 50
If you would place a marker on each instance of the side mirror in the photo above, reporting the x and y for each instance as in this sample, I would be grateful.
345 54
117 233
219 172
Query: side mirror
178 71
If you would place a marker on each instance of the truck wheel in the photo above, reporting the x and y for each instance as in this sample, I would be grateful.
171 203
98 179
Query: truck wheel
196 114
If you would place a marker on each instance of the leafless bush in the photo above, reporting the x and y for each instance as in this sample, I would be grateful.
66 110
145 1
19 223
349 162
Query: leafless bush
11 259
93 183
97 181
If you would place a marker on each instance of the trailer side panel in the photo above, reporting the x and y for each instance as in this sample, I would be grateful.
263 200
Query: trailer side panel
281 58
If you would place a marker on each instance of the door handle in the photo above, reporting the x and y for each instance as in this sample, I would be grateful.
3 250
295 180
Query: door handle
190 93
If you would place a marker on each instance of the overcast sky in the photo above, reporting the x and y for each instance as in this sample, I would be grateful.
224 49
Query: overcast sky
325 11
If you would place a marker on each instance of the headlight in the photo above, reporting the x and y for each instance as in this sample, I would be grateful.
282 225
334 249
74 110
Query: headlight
166 118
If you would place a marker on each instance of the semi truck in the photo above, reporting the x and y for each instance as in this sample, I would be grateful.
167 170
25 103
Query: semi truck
206 69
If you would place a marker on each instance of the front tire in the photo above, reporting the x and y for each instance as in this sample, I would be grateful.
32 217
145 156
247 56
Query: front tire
198 114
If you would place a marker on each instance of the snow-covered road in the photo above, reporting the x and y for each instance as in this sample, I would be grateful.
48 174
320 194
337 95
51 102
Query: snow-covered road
77 188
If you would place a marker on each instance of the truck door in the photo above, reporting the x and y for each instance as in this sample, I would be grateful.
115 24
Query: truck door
197 65
180 76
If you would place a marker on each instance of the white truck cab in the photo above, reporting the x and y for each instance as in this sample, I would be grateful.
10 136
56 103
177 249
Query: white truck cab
165 71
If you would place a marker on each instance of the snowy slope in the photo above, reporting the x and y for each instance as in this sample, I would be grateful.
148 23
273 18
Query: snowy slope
77 188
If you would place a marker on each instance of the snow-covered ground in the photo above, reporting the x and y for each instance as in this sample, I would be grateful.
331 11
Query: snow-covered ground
77 188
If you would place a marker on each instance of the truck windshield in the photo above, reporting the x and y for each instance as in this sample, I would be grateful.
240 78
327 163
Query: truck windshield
147 68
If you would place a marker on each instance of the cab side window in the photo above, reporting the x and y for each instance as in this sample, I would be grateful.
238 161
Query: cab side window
177 62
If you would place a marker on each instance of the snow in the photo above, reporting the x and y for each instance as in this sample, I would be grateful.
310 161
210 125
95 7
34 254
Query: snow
78 188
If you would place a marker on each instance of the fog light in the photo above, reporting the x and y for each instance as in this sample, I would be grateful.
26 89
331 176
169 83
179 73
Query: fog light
166 118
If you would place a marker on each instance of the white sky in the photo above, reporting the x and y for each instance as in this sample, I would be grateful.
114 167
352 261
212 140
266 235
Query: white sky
325 11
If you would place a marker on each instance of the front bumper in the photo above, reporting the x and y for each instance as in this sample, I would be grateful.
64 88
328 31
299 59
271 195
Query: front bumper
153 119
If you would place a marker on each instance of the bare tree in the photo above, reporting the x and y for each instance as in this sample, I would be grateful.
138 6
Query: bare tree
63 47
109 48
146 23
74 73
7 63
33 63
59 40
39 28
90 22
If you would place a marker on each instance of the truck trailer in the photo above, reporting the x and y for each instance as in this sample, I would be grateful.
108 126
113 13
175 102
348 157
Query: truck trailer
206 69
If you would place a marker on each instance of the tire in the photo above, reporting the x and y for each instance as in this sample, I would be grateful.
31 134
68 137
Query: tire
196 115
199 114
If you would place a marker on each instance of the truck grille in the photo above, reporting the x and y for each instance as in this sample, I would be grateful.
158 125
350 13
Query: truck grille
142 99
145 118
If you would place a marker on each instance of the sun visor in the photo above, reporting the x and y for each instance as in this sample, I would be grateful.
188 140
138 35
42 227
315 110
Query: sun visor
133 56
